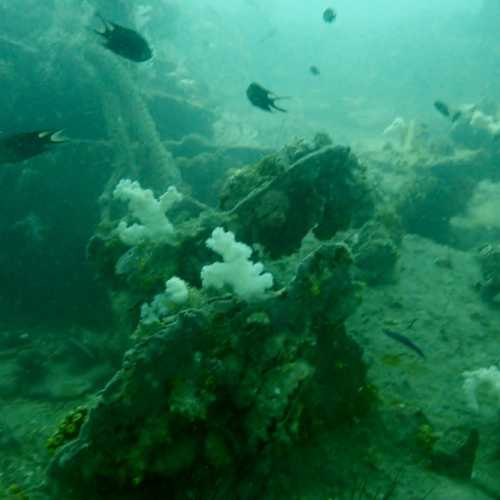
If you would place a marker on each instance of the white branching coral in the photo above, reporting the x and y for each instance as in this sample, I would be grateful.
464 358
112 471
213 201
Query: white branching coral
150 212
244 277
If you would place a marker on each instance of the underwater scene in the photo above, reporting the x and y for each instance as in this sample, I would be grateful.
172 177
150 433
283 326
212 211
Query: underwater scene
250 250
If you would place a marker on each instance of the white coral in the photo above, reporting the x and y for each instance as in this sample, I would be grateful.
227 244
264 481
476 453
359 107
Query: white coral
150 211
485 122
237 271
176 293
398 126
482 388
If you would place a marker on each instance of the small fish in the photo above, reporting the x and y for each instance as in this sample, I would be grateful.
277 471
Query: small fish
263 98
329 15
125 42
18 147
314 70
445 110
405 341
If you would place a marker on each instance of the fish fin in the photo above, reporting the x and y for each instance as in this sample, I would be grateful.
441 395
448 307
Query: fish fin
108 25
273 104
278 108
94 31
104 34
58 136
455 116
101 17
55 136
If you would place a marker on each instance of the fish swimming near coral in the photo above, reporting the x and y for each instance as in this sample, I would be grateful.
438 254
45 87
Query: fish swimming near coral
403 339
124 42
263 98
18 147
446 111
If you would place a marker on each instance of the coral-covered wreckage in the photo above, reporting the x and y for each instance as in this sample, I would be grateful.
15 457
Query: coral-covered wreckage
215 392
448 174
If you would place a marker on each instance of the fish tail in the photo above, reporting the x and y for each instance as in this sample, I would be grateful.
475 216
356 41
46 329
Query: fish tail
95 32
58 136
280 98
52 136
278 108
104 22
107 24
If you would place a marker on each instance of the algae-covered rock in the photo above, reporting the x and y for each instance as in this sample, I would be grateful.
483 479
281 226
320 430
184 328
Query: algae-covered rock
204 174
279 200
272 205
67 429
176 117
205 167
489 261
440 191
222 389
454 453
376 254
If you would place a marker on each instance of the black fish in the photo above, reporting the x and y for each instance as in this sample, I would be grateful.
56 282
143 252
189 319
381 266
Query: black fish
444 109
125 42
21 146
329 15
262 98
405 341
314 70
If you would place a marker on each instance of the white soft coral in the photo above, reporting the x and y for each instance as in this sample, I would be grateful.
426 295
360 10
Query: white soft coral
237 271
150 211
176 294
482 389
485 122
